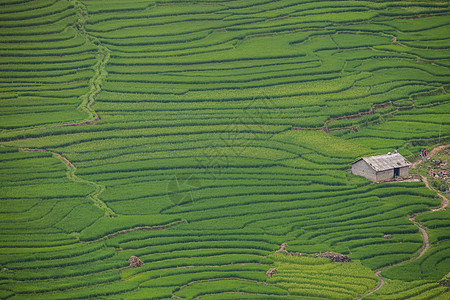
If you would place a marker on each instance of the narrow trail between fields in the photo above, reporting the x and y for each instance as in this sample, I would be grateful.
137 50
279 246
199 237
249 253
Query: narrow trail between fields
430 154
412 218
124 231
187 267
371 111
87 101
96 81
71 169
349 117
223 293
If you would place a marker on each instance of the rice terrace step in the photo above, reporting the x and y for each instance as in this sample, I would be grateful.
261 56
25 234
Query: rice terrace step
203 149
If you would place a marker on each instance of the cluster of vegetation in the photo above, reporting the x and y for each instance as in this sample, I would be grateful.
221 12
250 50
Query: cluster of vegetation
321 278
439 184
195 153
45 64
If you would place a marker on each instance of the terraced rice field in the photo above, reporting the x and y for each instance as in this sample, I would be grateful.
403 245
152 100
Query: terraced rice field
201 135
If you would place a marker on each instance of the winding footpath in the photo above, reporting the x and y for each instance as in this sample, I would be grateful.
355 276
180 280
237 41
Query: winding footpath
140 228
87 101
71 169
95 83
412 218
348 117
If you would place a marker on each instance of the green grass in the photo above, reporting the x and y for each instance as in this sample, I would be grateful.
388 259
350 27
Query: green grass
194 151
228 286
303 275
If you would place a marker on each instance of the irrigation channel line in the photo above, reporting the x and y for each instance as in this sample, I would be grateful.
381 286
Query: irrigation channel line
222 279
184 267
88 99
360 115
412 218
71 169
95 83
354 116
156 227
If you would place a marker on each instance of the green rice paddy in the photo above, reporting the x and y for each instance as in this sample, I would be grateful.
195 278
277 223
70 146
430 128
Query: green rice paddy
201 135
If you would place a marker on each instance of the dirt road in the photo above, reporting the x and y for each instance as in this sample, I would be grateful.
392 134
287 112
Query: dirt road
429 155
444 205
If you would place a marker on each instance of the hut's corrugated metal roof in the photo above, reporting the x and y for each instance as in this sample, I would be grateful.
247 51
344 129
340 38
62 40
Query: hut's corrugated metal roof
386 161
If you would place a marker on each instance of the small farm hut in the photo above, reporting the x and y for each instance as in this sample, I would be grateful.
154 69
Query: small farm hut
382 167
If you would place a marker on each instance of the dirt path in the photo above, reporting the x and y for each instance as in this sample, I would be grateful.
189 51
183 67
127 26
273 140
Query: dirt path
424 235
223 293
94 197
156 227
429 155
87 101
377 273
444 205
349 117
95 82
445 201
424 250
71 169
354 116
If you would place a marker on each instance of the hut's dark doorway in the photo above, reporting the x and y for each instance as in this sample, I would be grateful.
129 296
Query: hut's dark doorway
396 172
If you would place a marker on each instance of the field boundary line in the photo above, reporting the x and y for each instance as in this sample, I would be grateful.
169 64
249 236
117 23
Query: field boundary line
349 117
139 228
431 154
71 170
188 267
95 83
238 293
222 279
412 218
358 116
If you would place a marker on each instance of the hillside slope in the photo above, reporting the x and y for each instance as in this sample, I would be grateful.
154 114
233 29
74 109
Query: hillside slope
200 136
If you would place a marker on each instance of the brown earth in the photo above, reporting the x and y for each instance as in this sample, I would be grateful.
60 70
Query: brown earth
65 160
135 262
430 154
158 227
354 116
444 205
336 257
